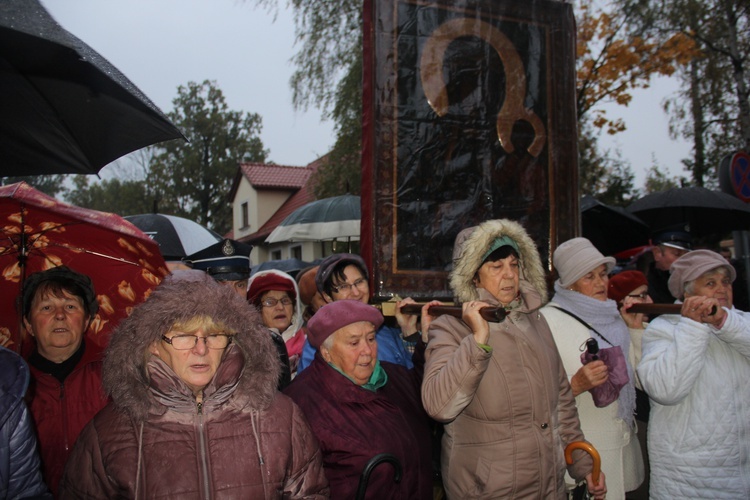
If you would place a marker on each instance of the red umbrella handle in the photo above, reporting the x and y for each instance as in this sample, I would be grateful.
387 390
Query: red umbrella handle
588 448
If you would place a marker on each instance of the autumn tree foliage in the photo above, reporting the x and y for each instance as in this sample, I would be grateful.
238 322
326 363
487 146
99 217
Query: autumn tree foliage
611 61
712 108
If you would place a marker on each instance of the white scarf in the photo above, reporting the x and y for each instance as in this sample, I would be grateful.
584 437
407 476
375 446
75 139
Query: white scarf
606 319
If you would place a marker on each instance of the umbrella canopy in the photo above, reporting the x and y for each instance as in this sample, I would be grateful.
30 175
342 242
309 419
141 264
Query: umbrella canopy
611 229
177 237
63 107
326 219
38 232
706 212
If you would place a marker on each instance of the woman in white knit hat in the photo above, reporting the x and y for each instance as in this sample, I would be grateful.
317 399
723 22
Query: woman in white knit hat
579 310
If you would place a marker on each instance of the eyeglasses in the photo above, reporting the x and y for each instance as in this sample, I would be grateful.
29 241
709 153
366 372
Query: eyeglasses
641 295
271 302
187 342
360 285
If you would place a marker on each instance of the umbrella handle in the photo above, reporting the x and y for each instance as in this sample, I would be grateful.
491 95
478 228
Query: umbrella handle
588 448
374 462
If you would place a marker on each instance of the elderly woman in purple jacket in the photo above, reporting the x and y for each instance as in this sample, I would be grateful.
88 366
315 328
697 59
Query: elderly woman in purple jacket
359 407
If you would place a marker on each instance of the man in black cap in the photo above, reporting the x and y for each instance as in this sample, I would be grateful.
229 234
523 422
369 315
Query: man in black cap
668 245
227 261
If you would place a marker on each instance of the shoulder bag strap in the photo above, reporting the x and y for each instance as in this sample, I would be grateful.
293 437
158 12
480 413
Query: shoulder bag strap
583 323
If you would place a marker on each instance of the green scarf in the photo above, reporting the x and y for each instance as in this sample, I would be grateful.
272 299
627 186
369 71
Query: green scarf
377 380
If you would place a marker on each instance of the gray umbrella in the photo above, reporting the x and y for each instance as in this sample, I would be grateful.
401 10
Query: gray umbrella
327 219
63 107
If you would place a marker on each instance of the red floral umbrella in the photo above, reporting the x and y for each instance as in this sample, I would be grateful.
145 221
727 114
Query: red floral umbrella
38 232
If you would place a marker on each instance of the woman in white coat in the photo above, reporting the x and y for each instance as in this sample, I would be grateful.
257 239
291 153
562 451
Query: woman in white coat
582 290
696 370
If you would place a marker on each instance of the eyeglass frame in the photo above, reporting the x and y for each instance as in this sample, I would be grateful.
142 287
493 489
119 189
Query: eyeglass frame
205 338
347 287
289 301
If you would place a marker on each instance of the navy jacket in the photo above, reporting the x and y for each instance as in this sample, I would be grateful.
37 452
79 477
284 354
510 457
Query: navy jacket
20 473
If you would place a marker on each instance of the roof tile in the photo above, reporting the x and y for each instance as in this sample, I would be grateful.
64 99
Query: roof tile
276 176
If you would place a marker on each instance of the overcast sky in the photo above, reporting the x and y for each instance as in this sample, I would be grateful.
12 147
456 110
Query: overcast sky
161 44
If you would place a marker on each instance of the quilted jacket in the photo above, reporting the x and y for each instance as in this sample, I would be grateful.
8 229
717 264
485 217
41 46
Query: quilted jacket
20 473
698 379
155 440
508 413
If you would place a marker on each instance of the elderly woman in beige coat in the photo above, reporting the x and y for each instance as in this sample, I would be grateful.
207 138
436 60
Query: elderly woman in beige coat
500 388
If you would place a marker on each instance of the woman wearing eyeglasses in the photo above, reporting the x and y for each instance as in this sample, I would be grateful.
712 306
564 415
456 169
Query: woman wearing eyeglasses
628 288
276 296
343 276
194 409
579 310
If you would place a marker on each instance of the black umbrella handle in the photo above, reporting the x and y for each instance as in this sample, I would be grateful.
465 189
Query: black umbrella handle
370 466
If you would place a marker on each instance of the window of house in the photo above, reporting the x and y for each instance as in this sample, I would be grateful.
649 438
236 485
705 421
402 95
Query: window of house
275 254
296 252
245 216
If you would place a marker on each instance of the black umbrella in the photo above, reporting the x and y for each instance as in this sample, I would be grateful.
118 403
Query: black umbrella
177 237
611 229
63 107
706 212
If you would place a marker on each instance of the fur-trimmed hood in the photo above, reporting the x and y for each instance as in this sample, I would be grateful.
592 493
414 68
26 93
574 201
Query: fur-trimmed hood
471 246
297 319
180 297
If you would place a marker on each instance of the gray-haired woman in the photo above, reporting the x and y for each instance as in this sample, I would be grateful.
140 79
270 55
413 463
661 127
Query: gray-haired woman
195 413
581 309
696 370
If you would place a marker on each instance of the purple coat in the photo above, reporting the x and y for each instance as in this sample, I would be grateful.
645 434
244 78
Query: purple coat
353 425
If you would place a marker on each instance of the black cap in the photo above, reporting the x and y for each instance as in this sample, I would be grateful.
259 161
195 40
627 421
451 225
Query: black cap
334 261
227 260
677 236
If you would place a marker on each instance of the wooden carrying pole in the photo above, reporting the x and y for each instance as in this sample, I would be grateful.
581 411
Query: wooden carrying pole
498 314
660 309
491 314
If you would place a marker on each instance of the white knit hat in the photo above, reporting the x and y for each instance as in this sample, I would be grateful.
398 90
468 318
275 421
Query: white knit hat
576 257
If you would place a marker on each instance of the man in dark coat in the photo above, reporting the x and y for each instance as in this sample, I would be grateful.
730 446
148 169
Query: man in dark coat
359 407
669 244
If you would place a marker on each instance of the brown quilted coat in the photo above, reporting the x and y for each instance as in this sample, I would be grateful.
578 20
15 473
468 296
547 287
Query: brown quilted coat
154 441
